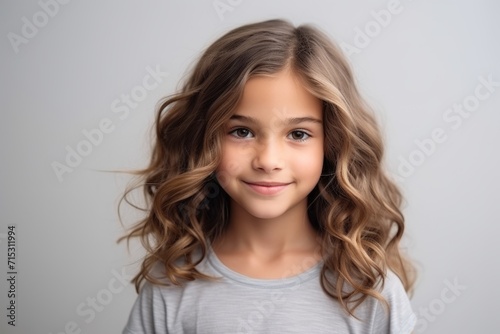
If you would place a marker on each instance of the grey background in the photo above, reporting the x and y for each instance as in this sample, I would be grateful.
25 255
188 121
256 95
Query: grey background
66 77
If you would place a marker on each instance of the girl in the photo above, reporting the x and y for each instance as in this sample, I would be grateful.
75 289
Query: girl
268 207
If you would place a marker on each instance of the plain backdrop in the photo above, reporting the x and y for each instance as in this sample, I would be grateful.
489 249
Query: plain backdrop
67 69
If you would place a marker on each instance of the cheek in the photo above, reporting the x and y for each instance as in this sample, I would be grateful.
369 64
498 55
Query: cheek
229 166
311 162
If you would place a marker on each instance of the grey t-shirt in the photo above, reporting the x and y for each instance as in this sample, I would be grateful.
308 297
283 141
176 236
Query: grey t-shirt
240 304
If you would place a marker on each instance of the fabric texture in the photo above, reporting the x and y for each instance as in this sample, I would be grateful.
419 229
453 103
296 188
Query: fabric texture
240 304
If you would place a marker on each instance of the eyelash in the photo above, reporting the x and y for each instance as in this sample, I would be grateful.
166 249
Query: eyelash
233 133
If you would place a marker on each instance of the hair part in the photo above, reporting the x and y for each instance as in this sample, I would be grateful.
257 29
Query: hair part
355 207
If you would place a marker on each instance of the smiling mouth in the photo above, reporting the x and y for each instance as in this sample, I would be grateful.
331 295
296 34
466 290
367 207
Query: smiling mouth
266 188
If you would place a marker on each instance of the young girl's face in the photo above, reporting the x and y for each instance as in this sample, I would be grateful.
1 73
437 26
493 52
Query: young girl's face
272 153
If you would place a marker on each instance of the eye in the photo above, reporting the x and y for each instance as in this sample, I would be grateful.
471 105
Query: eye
241 133
298 135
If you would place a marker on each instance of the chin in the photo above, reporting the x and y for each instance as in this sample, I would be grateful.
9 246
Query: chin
265 211
265 215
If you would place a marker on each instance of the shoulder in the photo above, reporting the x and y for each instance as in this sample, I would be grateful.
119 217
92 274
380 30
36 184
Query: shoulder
156 304
393 286
148 312
399 317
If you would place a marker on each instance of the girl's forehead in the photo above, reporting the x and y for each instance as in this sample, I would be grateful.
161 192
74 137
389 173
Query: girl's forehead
283 94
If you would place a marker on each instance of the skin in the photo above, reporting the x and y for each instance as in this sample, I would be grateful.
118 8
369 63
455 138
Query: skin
274 136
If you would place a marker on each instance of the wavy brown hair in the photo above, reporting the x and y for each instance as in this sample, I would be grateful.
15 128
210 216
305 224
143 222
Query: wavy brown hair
355 206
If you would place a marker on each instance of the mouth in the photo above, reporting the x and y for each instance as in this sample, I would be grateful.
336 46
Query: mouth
267 188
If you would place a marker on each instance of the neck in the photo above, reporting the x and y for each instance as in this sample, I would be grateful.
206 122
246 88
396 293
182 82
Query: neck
290 232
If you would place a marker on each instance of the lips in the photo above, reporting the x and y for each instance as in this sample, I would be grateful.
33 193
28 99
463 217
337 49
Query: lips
267 188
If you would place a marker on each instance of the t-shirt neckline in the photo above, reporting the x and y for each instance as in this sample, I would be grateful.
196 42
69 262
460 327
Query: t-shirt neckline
286 282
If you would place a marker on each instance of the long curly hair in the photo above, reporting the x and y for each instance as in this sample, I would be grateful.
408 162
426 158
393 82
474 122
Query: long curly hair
355 206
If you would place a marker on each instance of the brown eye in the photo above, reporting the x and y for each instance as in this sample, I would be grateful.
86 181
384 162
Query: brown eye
241 133
299 135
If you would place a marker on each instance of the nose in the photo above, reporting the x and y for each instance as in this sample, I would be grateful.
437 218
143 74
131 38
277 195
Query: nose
268 156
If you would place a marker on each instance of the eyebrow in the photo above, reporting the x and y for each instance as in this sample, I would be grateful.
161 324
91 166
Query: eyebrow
288 121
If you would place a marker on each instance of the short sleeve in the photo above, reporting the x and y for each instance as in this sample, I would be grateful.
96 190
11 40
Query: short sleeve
400 319
148 314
